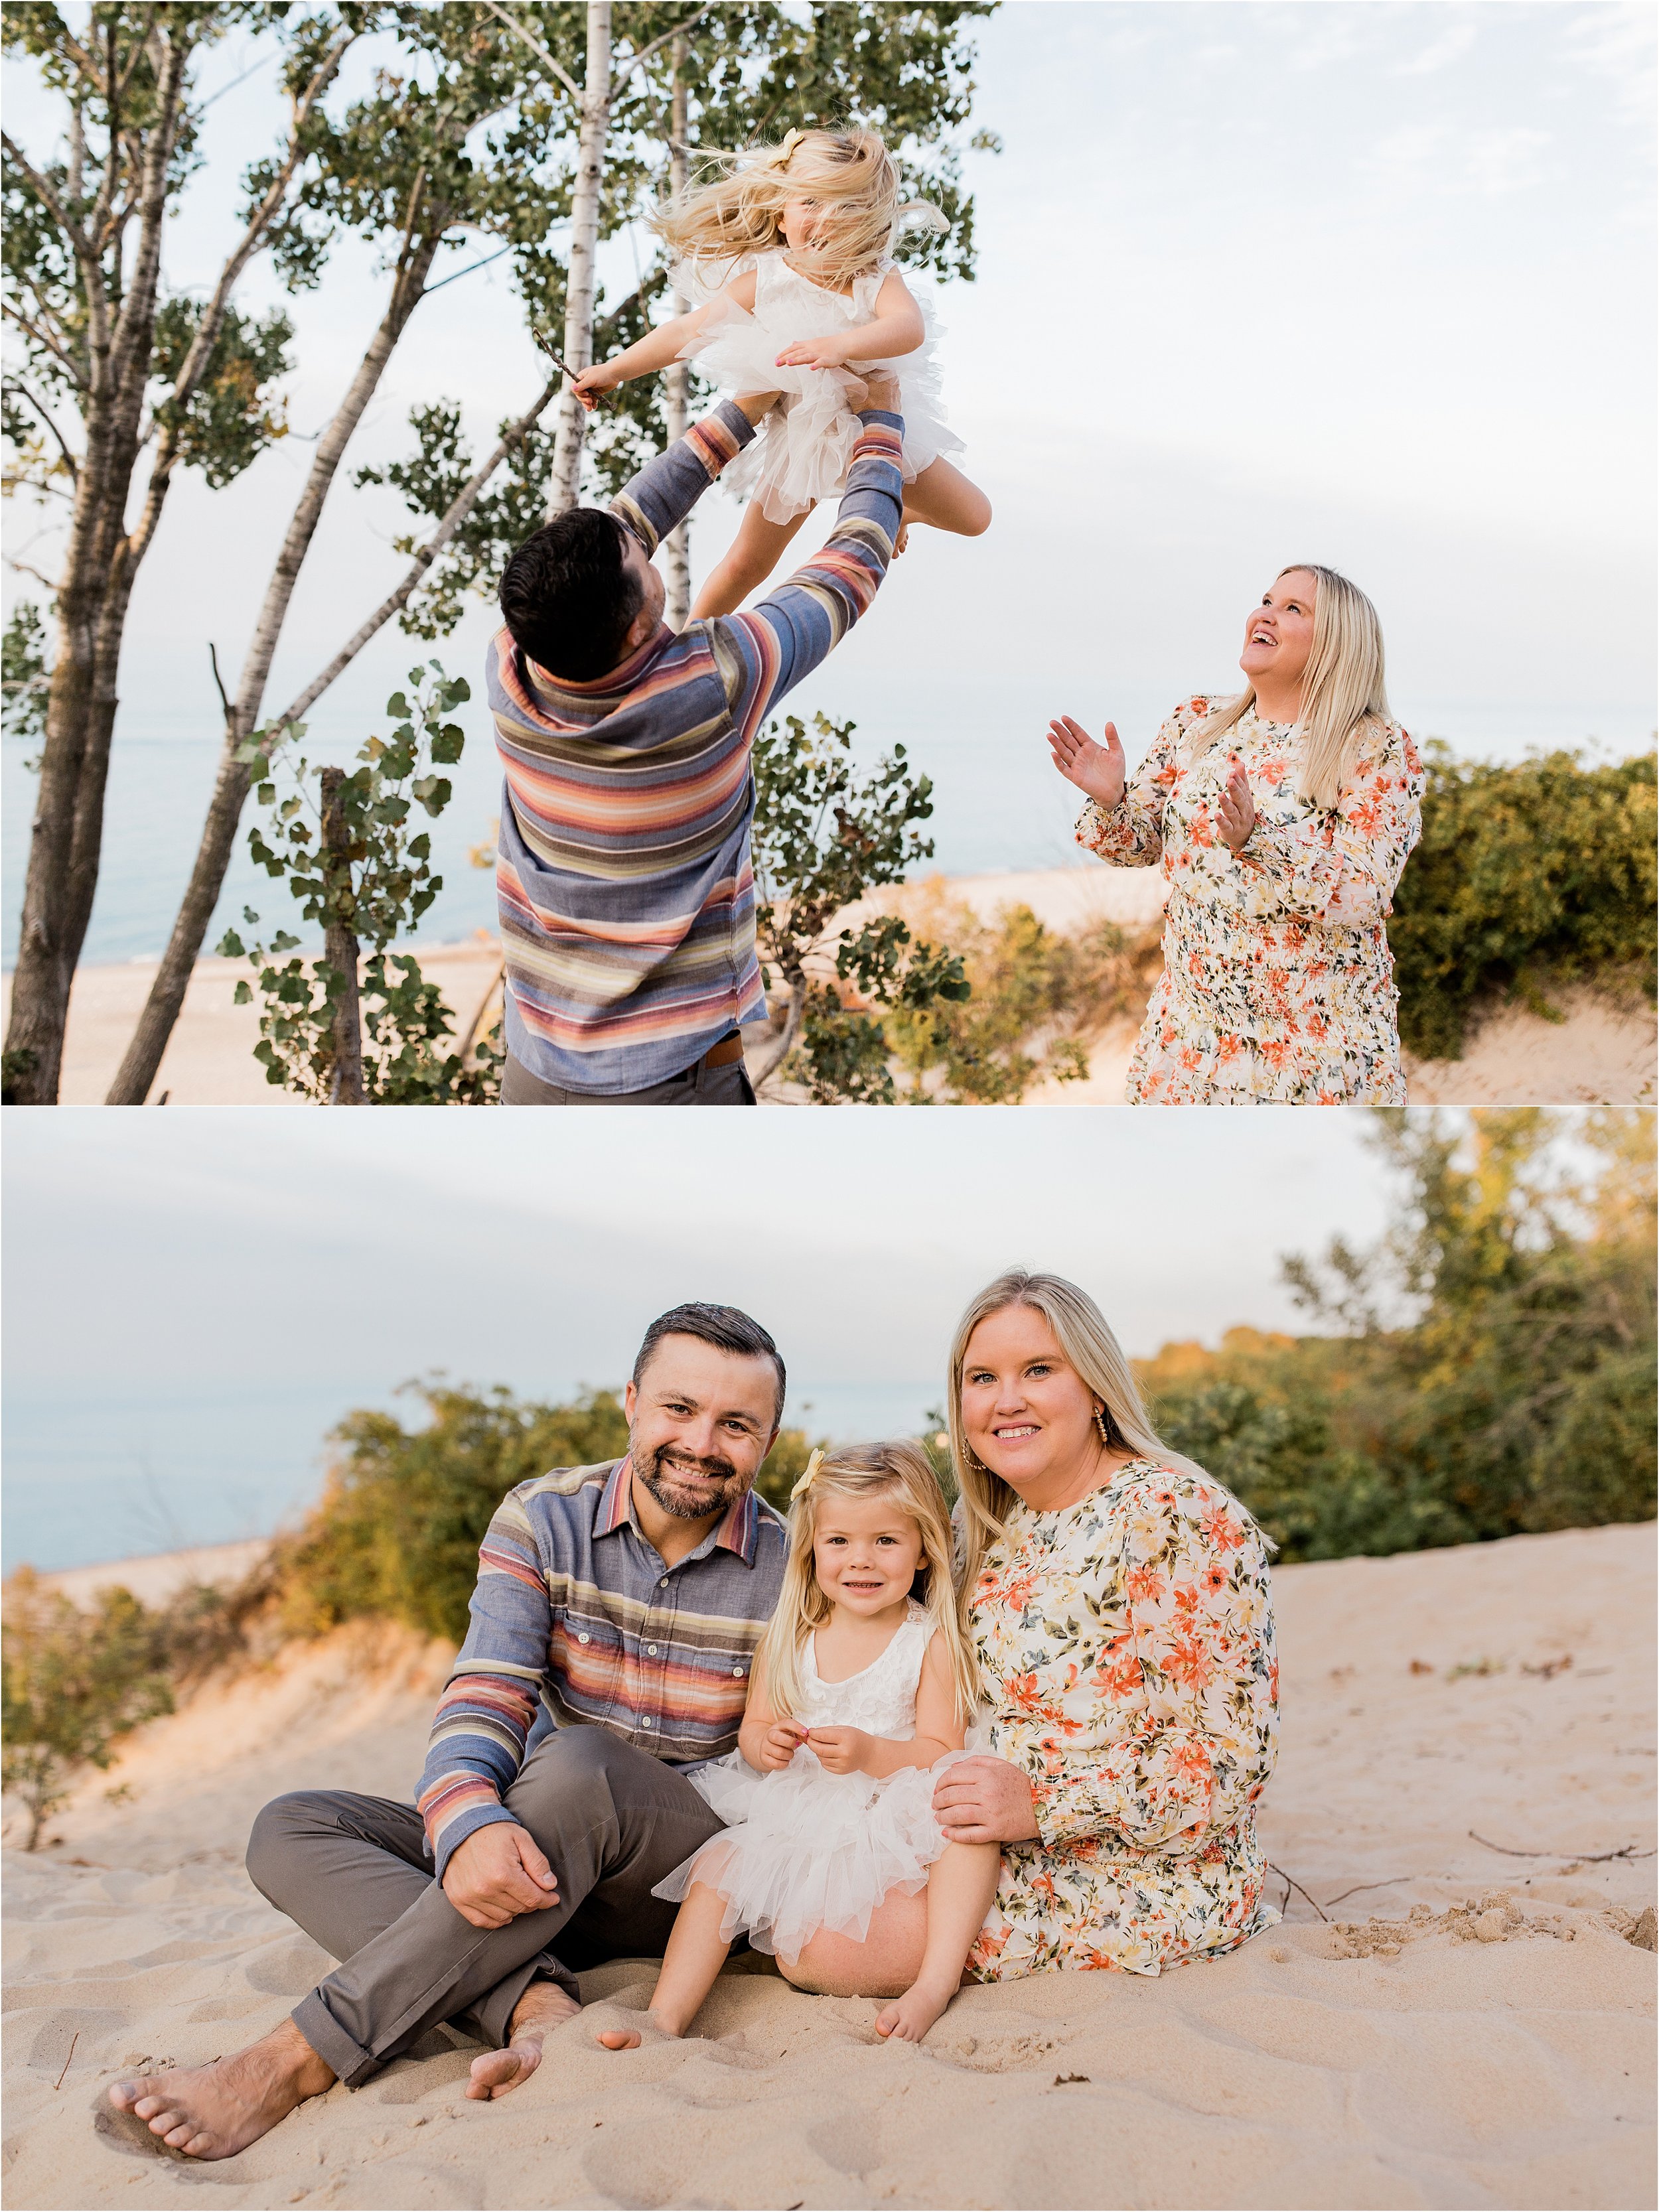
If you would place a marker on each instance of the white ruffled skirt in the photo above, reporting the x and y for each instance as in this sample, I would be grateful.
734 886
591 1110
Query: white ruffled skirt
806 1850
805 447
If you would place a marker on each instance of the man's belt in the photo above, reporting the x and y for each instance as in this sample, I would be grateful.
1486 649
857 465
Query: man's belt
723 1054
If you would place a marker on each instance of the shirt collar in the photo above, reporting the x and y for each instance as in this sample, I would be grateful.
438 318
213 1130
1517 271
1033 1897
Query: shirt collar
738 1530
547 690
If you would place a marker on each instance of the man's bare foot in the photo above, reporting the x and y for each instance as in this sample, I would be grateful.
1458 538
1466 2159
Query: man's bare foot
214 2112
538 2011
908 2018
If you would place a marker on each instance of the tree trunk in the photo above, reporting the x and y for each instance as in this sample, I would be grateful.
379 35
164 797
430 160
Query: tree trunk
677 546
207 877
768 1058
584 248
340 948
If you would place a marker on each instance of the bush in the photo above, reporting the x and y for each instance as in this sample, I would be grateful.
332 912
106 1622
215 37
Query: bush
1525 875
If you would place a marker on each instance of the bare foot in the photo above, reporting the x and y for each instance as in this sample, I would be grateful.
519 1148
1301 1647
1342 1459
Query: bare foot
909 2017
537 2012
638 2027
214 2112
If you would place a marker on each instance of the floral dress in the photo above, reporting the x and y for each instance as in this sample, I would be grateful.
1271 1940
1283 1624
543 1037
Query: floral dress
1278 983
1126 1649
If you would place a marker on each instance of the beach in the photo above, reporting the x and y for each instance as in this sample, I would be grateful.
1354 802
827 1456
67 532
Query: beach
1465 2027
1601 1051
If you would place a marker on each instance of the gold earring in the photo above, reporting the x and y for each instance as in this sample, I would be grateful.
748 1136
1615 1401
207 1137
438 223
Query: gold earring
1100 1423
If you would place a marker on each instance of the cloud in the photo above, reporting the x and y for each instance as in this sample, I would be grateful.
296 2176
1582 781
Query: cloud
1499 162
1440 53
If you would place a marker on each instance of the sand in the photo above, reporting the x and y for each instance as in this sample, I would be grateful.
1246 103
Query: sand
1602 1052
1478 2032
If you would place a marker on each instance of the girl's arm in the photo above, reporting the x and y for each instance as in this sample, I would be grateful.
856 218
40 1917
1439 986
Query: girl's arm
665 344
897 329
768 1739
853 1751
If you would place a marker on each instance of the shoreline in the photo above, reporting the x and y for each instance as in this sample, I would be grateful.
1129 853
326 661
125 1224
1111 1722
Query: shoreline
1602 1052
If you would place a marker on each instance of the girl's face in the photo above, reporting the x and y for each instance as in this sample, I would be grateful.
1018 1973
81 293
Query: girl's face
806 223
865 1551
1279 635
1026 1412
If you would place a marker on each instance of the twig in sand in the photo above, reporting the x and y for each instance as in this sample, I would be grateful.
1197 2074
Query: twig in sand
1297 1886
74 2040
1588 1858
1390 1883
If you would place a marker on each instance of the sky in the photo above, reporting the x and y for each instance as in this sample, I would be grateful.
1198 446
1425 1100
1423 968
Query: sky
195 1299
1367 284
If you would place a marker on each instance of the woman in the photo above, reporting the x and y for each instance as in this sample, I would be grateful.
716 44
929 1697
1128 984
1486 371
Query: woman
1117 1599
1283 819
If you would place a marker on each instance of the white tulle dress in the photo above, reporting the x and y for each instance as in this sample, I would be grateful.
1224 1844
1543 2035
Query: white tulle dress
805 445
807 1849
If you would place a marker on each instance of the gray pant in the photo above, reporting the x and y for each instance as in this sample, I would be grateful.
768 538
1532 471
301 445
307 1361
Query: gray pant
696 1086
353 1872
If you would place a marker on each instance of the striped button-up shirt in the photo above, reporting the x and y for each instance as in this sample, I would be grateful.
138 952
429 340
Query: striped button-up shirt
576 1613
623 883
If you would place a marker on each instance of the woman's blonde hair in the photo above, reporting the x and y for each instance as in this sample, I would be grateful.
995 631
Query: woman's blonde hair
1093 1351
903 1472
1341 692
740 209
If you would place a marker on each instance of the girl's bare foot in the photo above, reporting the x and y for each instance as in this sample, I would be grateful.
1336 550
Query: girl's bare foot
636 2028
909 2017
537 2012
214 2112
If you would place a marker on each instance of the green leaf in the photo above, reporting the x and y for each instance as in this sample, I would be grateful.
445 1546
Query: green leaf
230 946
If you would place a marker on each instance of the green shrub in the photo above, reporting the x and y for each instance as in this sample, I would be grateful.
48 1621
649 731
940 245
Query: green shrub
1526 875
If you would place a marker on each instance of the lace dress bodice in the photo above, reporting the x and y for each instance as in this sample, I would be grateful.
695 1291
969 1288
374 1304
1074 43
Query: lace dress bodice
881 1698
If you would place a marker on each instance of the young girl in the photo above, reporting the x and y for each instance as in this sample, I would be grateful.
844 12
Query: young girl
787 253
860 1694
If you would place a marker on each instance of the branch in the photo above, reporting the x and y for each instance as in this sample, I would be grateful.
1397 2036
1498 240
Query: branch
48 198
645 52
219 684
1588 1858
44 338
460 508
69 460
53 584
539 50
1300 1891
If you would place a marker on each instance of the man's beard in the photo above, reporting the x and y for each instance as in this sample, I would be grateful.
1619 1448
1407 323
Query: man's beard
664 1482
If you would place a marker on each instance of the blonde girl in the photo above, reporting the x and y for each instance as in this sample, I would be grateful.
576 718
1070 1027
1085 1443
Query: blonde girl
862 1691
787 251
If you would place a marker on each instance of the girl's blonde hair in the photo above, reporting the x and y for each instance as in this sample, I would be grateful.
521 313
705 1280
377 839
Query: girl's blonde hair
1341 692
1096 1354
740 210
903 1472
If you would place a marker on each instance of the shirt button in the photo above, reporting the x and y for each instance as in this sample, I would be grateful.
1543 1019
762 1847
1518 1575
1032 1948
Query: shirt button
663 1584
646 1721
737 1673
652 1648
584 1638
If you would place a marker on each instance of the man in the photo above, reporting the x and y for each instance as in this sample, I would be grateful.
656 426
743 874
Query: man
623 1601
623 879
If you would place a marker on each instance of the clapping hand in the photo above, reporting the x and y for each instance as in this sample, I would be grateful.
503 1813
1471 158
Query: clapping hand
1096 768
780 1744
1234 813
839 1750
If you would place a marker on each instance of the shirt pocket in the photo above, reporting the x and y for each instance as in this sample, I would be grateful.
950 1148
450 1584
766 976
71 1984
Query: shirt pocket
585 1658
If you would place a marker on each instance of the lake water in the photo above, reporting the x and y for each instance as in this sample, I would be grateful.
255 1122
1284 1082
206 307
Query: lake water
96 1477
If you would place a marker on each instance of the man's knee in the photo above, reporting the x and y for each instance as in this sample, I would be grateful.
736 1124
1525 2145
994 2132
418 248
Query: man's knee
271 1857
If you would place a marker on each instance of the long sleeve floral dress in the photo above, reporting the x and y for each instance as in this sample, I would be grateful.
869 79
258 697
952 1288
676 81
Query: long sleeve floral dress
1126 1645
1278 983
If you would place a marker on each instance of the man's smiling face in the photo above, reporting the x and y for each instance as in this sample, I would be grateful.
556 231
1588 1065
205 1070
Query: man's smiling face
700 1422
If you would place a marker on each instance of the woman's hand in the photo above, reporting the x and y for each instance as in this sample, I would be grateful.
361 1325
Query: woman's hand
780 1744
1099 770
813 353
594 383
984 1801
1235 813
840 1750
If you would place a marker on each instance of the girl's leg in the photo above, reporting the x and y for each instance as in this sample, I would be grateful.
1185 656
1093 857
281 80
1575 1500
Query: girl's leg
886 1962
959 1892
943 496
756 549
690 1965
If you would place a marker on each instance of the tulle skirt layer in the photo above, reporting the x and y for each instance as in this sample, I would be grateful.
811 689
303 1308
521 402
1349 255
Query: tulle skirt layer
804 447
807 1850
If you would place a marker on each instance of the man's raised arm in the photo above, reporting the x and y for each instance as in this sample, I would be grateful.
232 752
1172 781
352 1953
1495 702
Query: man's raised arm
669 486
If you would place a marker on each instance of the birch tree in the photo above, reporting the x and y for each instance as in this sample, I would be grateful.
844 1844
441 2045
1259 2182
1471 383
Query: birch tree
103 365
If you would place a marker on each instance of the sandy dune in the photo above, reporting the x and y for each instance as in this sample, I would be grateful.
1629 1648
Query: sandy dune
1479 2032
1602 1052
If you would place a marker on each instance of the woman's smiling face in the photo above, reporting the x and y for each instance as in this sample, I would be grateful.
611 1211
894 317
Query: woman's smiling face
1279 635
1026 1412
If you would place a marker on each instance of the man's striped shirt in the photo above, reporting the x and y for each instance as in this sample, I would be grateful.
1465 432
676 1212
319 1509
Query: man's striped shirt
576 1613
623 883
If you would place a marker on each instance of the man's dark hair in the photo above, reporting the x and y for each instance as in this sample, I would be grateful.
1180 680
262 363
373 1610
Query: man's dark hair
567 596
727 1328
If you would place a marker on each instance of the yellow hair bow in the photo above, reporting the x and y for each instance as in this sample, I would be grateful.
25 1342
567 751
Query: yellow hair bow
806 1482
790 140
